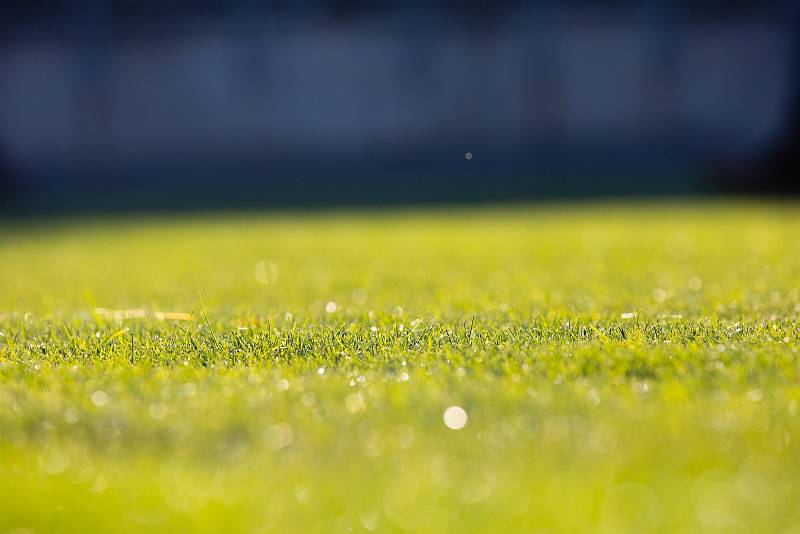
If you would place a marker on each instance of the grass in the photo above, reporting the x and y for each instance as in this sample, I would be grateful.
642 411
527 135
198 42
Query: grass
623 367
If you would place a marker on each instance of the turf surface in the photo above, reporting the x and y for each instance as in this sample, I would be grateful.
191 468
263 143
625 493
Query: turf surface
621 367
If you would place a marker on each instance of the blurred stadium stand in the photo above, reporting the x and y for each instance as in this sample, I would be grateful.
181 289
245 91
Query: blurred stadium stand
145 104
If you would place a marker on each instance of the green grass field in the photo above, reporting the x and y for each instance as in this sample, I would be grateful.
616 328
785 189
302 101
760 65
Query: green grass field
620 367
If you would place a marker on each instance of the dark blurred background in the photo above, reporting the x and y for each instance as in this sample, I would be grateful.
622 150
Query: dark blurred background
114 105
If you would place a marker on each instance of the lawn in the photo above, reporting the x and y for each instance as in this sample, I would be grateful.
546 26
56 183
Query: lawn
613 367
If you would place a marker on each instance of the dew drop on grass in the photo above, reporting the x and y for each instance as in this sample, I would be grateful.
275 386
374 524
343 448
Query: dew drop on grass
354 402
71 416
278 436
55 461
99 398
455 418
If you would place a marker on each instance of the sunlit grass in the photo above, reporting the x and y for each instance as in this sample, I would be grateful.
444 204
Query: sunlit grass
578 368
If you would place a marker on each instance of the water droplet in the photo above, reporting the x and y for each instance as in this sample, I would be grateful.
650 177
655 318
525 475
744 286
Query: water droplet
354 402
455 417
55 461
99 398
278 436
71 416
309 399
